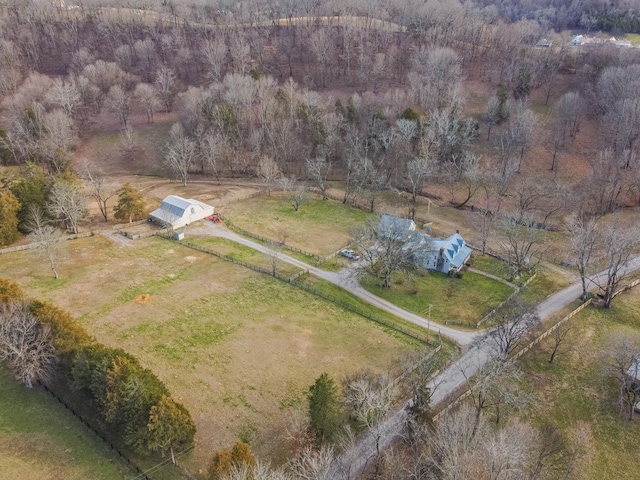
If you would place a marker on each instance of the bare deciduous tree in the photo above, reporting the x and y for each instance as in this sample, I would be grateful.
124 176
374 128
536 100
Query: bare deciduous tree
210 149
512 320
313 464
418 171
382 250
520 240
606 184
369 398
97 187
584 236
559 338
46 236
270 173
620 243
180 152
67 202
118 101
25 344
166 87
215 53
435 78
318 169
148 98
621 355
65 95
495 385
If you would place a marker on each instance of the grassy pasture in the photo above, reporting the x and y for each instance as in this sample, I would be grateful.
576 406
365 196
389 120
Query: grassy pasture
464 300
634 38
319 227
245 254
40 439
237 348
545 283
576 396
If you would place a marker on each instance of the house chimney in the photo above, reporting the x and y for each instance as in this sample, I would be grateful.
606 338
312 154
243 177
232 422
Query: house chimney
458 232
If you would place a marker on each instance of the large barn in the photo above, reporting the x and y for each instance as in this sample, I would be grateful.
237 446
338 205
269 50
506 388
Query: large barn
176 212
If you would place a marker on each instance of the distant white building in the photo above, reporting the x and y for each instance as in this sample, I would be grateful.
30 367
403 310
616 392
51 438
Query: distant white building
577 40
580 40
176 212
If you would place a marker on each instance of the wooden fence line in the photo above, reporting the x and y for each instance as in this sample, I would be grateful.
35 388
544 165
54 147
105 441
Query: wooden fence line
240 199
29 246
509 298
628 287
458 396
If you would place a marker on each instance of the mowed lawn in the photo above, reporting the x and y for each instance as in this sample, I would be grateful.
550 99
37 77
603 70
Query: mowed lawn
237 348
576 395
40 439
464 300
318 227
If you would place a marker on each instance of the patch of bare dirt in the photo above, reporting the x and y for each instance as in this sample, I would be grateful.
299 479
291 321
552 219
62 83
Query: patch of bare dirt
142 299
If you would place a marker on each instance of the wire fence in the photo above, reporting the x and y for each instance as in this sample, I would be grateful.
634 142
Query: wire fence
314 291
29 246
139 472
269 241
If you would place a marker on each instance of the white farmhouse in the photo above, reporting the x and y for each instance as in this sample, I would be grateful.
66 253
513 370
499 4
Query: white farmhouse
176 212
441 255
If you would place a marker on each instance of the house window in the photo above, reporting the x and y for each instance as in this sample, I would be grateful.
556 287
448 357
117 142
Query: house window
193 210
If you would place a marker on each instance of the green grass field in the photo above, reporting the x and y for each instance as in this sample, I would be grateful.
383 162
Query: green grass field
634 38
40 439
464 300
245 254
319 227
239 349
576 395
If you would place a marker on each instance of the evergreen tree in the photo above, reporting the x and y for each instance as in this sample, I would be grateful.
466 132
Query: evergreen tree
9 207
31 190
131 204
170 426
324 408
224 461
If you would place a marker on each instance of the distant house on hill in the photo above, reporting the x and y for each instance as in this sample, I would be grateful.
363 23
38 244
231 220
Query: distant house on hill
577 40
176 212
426 251
544 43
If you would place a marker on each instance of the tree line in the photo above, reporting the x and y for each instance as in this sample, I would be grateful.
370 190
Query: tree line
122 400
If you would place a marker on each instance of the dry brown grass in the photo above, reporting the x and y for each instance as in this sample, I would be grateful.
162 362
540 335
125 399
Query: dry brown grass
238 349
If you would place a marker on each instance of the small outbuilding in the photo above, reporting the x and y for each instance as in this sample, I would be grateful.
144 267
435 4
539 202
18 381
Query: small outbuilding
176 212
